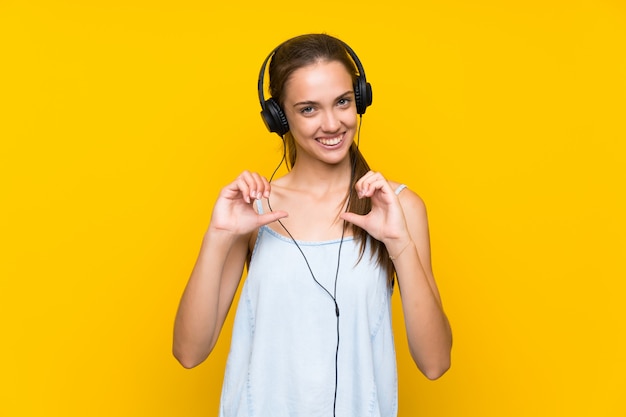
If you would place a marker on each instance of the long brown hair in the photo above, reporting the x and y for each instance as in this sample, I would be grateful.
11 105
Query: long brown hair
303 51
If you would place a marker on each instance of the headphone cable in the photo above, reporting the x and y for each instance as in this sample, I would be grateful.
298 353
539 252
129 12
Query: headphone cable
332 295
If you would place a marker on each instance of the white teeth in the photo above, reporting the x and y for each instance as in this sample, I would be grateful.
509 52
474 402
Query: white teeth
331 142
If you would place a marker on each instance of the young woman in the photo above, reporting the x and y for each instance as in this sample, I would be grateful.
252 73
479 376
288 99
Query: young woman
322 244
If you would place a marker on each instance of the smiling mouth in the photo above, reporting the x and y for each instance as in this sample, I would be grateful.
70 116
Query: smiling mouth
331 141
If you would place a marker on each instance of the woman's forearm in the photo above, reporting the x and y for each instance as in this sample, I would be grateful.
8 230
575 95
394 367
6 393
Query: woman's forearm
208 296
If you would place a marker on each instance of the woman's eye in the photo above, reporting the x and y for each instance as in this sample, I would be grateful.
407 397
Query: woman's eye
306 110
344 102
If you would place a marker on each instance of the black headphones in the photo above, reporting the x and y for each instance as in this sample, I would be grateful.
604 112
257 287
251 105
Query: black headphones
274 117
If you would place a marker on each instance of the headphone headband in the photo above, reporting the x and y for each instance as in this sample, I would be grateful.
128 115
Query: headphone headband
273 115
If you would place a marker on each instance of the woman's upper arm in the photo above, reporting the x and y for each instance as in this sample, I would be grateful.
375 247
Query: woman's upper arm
417 222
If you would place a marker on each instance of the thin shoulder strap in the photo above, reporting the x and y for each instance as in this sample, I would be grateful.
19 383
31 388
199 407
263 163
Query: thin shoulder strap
400 188
259 206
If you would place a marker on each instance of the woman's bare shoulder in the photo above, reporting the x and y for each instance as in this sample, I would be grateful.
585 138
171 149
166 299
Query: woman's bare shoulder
409 198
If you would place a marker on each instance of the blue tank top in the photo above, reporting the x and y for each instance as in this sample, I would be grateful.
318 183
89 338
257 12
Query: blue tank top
282 355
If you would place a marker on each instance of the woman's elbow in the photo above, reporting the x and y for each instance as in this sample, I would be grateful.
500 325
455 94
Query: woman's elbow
434 372
186 362
433 368
188 359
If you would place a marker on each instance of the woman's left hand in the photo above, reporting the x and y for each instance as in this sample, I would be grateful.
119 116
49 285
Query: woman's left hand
385 222
401 224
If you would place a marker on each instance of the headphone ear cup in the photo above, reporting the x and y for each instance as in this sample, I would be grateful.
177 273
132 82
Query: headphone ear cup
274 118
362 95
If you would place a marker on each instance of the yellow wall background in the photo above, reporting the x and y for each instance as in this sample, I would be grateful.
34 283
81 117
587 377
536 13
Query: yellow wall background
121 120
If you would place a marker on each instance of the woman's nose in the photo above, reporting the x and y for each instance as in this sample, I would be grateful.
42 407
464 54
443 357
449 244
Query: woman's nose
330 122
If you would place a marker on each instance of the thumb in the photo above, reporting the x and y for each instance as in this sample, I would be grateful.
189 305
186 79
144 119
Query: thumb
268 218
353 218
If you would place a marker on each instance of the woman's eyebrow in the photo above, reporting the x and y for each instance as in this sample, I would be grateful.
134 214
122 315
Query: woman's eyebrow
311 102
305 103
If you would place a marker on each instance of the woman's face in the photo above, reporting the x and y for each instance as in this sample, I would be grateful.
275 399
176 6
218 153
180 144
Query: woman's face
320 108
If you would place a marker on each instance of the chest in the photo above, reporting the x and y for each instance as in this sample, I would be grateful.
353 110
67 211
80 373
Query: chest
302 272
311 219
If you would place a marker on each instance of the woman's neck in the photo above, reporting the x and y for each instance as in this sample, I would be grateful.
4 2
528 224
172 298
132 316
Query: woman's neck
320 178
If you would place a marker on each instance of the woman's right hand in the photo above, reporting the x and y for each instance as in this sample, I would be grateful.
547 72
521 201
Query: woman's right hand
234 209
